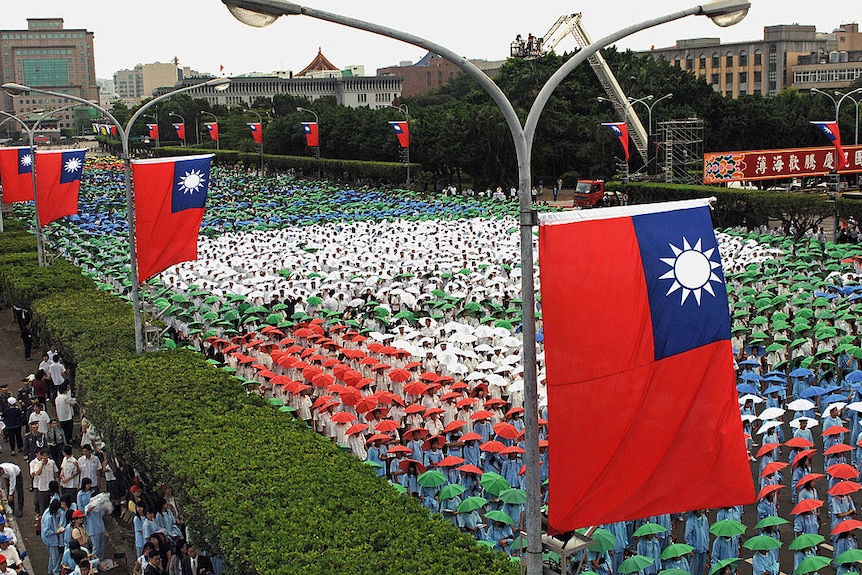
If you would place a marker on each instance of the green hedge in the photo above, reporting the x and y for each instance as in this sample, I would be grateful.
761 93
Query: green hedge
24 281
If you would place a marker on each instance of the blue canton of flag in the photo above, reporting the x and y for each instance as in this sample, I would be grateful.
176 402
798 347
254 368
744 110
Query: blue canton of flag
682 270
615 129
396 126
25 161
307 128
191 180
72 165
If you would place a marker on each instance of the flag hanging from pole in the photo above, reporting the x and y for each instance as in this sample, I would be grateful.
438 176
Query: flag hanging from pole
212 128
170 198
58 179
181 131
311 137
621 131
402 132
642 402
831 131
154 131
16 174
256 132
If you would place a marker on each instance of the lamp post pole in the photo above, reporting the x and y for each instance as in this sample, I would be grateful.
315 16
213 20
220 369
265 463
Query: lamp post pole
183 120
624 165
723 12
403 109
317 147
651 153
156 121
217 83
216 121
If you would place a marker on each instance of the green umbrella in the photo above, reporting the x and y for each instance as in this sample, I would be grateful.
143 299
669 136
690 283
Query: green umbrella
501 516
812 564
398 487
286 408
762 543
431 478
483 543
771 521
513 496
275 401
719 565
494 483
727 528
676 550
635 563
471 504
374 464
673 572
520 542
314 300
849 556
806 541
649 529
451 491
603 540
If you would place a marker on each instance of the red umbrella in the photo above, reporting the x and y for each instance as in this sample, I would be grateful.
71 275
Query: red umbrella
353 353
802 455
431 411
838 448
492 446
405 464
366 404
450 461
415 388
281 380
428 376
380 367
434 438
350 396
482 414
367 361
505 430
357 428
834 430
771 468
806 505
413 365
767 447
842 471
322 379
470 468
512 449
303 332
421 431
343 417
399 449
458 386
351 377
374 346
388 398
808 479
844 488
494 402
454 425
329 362
465 401
472 436
320 401
846 525
414 408
386 425
767 489
513 411
363 383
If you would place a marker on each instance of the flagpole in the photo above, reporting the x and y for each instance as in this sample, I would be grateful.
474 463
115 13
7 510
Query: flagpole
216 83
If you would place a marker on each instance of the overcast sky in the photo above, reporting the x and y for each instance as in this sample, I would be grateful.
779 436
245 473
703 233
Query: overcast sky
204 35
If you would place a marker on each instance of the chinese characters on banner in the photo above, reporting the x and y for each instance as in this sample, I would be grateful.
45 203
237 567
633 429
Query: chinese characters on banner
722 167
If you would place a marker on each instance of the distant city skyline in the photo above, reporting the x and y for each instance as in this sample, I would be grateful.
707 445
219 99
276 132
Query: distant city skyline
204 36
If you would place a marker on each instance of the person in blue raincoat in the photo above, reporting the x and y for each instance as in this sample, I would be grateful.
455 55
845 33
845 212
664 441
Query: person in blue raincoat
763 563
803 431
806 522
841 543
841 508
650 546
680 562
448 508
666 522
53 528
697 535
767 507
832 420
472 453
619 531
377 454
499 534
723 548
511 469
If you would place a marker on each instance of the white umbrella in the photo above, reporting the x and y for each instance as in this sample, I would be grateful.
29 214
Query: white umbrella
800 404
839 405
752 397
487 365
462 338
475 376
457 368
811 422
855 406
771 413
768 425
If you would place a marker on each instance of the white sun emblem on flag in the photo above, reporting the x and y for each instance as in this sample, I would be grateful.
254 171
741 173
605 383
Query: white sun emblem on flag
72 165
191 182
691 270
26 160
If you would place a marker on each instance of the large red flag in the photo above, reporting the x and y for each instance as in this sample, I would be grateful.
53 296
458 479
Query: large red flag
642 402
311 135
16 169
256 132
170 198
154 131
621 131
212 128
181 131
402 132
58 178
830 130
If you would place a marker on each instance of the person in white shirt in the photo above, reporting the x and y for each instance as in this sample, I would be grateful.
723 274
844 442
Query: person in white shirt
12 474
43 470
64 404
41 417
57 371
89 465
70 473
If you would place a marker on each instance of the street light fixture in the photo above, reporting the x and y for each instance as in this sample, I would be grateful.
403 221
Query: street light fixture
317 147
156 121
406 151
198 129
259 123
217 83
183 120
723 12
652 152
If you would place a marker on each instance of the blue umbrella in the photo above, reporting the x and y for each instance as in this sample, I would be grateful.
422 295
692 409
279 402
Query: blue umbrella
854 376
778 374
747 388
775 379
749 363
773 389
750 376
813 391
801 372
833 398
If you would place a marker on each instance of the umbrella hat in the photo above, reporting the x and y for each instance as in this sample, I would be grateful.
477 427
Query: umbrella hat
471 504
635 563
762 543
451 491
676 550
494 483
811 564
649 529
849 556
501 516
771 521
719 565
845 526
806 506
806 541
431 478
513 496
603 540
728 528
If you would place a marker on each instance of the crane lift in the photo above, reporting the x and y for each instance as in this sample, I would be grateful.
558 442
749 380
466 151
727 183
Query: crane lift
573 24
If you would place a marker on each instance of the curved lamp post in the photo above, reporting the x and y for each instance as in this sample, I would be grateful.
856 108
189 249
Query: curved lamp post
403 109
40 244
217 83
156 122
261 13
197 127
259 123
183 120
317 147
651 156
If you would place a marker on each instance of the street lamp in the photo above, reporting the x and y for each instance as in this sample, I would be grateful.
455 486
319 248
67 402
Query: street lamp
217 83
40 244
259 123
261 13
317 147
624 165
405 151
17 119
651 154
197 126
183 120
156 122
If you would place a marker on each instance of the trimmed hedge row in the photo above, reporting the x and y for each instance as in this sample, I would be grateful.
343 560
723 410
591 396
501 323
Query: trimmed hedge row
265 493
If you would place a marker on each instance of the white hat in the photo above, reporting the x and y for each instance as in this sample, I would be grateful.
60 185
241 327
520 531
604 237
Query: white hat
12 401
31 377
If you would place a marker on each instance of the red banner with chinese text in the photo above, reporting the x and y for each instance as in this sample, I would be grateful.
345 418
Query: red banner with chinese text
722 167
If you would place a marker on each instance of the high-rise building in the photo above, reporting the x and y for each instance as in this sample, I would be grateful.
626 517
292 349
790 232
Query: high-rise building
47 55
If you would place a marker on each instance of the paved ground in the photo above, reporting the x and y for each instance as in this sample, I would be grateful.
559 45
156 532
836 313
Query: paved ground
13 369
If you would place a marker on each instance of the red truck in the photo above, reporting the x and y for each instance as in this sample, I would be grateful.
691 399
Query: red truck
589 193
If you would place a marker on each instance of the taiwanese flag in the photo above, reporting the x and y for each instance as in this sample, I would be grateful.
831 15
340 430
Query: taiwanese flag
830 130
256 132
642 402
402 132
112 129
58 177
212 128
181 131
170 197
154 131
311 137
621 131
16 169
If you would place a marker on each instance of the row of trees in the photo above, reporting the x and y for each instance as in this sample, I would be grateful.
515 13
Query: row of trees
459 136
